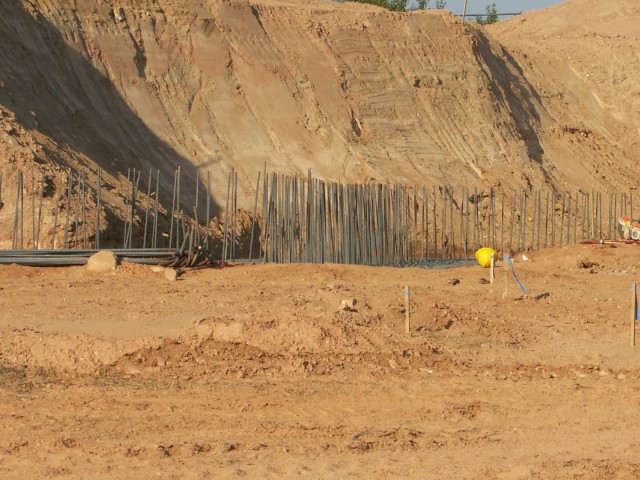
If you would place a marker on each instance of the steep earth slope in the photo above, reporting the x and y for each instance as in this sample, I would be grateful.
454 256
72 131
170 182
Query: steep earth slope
351 91
584 60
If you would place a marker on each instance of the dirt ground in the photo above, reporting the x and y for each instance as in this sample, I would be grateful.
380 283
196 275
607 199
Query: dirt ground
305 371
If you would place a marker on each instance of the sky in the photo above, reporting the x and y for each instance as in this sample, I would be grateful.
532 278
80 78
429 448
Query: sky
503 6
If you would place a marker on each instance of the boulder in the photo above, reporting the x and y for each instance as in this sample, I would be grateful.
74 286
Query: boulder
103 261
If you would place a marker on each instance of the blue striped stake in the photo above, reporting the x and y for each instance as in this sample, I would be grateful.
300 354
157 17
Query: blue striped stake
634 313
510 261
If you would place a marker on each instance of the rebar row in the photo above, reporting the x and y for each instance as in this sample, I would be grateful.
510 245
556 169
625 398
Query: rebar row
309 220
305 219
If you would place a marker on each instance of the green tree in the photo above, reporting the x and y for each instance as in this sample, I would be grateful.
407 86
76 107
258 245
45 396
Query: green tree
423 4
441 4
394 5
491 17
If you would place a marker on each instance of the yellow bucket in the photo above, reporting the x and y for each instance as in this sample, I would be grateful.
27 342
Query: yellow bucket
483 256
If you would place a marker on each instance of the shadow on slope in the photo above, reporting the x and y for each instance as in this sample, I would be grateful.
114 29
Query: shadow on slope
516 93
54 89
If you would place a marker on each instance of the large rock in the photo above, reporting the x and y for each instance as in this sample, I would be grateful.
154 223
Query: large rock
101 262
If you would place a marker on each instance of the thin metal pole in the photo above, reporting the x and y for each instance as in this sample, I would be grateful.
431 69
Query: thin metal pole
513 219
568 218
134 196
16 218
55 216
126 210
253 220
208 207
235 210
553 218
66 224
226 219
98 194
502 225
564 199
575 220
77 216
40 212
546 220
173 207
84 212
146 211
178 207
155 212
21 212
33 209
435 224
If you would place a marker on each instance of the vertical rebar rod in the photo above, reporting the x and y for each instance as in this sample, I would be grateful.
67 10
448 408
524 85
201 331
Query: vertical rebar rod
173 208
546 220
154 240
463 243
493 219
466 229
513 219
502 224
40 212
523 220
98 198
66 224
235 209
539 216
568 218
84 211
146 210
613 207
178 205
610 236
226 219
56 211
444 221
209 207
552 218
476 233
78 210
125 233
16 218
533 219
564 200
452 241
134 198
435 224
600 234
253 219
33 209
575 220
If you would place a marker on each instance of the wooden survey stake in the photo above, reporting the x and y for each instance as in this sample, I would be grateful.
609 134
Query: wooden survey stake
407 323
492 272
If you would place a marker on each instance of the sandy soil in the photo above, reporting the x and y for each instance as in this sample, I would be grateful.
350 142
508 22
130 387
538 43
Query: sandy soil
260 371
